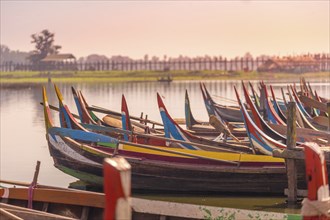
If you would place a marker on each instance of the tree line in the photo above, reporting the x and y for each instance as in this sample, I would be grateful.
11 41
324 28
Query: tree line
44 43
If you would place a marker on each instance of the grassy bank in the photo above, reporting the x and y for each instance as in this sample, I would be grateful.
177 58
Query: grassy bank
133 76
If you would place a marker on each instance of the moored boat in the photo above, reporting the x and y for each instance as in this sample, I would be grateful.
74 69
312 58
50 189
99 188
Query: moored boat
173 130
226 113
166 169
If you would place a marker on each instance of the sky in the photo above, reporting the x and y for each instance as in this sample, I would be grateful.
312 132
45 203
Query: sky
172 28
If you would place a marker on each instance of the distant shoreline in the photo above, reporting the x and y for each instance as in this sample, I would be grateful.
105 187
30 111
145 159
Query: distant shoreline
146 76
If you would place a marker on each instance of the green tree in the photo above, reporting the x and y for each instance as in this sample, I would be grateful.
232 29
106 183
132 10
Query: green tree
44 45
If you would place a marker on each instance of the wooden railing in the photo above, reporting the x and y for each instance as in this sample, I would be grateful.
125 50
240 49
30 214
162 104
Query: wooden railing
241 64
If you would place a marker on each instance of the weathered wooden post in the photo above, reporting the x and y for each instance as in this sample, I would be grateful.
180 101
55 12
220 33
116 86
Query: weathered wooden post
150 65
242 64
122 65
138 65
33 185
111 65
291 168
230 65
102 65
107 65
225 64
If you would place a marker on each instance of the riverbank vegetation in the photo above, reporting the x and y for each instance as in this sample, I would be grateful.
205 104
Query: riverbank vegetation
142 76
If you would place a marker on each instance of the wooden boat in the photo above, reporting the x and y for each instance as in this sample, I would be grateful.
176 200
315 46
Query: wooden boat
272 114
265 143
15 212
278 132
306 118
114 120
123 123
260 141
225 113
299 104
258 120
59 203
131 135
167 79
313 106
127 126
165 173
313 103
77 204
305 88
166 169
307 91
173 130
322 121
208 128
304 134
191 122
87 116
152 209
256 97
114 117
277 107
149 140
68 121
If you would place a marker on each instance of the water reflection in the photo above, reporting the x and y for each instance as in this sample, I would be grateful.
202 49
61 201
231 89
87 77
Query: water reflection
262 203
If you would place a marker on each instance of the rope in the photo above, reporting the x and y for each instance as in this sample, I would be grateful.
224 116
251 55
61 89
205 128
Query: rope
315 208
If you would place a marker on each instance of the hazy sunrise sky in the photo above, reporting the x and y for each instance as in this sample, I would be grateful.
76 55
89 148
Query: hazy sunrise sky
193 28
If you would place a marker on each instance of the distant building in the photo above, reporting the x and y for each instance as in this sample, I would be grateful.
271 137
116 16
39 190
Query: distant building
59 62
67 57
298 64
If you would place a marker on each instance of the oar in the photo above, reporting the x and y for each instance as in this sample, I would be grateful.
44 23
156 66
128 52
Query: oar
8 215
27 213
19 183
218 125
57 109
107 111
224 98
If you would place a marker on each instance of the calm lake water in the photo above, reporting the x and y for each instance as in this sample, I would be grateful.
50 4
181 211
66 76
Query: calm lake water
23 140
